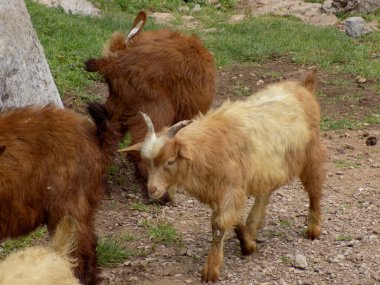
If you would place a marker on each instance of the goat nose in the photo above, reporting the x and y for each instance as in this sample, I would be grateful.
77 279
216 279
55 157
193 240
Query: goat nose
152 189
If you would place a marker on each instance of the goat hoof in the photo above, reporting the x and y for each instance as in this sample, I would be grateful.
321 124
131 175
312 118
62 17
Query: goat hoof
248 247
209 275
313 232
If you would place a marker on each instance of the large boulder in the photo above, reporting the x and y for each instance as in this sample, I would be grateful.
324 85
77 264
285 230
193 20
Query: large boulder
25 76
82 7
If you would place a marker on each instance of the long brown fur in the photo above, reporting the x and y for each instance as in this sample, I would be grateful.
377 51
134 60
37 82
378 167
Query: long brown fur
53 166
243 148
167 75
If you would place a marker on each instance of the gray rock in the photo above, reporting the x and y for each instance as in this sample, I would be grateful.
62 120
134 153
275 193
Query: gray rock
300 261
356 27
196 8
82 7
183 9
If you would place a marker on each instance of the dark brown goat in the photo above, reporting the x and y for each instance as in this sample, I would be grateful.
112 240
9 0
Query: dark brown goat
53 166
165 74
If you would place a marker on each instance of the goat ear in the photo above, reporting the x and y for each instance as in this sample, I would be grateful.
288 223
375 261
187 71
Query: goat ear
185 152
137 26
133 148
2 149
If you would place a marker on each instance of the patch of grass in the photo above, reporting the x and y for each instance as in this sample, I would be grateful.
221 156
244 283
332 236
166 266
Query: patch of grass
303 44
273 234
354 97
285 259
162 232
343 238
285 223
110 252
315 1
113 170
138 206
126 141
328 123
344 164
12 245
303 233
127 237
240 90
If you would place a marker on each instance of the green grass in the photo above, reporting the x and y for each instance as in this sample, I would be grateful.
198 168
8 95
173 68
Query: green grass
127 237
110 252
22 242
162 232
285 223
69 40
141 207
273 234
343 238
328 123
344 164
240 90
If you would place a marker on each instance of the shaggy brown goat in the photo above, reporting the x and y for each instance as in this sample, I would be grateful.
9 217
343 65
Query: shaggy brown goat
165 74
44 265
53 166
242 148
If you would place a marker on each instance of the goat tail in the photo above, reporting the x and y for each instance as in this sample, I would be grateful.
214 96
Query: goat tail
65 238
310 82
108 132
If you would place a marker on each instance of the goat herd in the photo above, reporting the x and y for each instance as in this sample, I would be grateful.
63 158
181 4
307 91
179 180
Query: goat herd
52 161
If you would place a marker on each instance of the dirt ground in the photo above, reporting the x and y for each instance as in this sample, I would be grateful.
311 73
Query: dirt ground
348 251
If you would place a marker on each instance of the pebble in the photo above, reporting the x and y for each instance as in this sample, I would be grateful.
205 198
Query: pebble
260 82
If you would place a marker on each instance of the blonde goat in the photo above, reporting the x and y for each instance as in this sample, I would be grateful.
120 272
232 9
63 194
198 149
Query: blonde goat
242 148
44 265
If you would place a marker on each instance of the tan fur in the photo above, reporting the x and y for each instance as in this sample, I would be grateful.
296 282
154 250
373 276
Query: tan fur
246 148
43 265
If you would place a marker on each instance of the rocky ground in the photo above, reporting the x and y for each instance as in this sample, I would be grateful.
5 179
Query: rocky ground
348 251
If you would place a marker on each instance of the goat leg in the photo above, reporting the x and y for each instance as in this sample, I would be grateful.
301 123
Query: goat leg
211 269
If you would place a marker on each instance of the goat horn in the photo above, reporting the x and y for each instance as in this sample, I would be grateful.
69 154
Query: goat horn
175 128
148 123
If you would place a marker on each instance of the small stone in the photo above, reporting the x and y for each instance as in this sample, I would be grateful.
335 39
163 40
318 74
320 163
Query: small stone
133 278
188 281
183 9
196 8
300 261
360 80
339 173
260 82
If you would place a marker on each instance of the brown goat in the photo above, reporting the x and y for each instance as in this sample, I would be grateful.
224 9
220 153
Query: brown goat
242 148
53 166
165 74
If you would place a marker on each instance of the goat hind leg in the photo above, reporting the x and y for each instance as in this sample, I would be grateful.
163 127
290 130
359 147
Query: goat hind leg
257 214
312 178
247 244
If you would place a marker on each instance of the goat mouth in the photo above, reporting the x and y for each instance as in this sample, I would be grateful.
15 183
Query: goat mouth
157 196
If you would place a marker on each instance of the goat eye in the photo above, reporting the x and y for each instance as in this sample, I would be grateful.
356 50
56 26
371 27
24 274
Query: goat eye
170 162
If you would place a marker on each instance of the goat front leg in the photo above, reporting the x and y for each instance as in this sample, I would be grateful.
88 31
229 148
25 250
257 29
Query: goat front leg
210 272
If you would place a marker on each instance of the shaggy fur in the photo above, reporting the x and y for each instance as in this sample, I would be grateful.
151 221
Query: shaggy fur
53 166
244 148
165 74
44 265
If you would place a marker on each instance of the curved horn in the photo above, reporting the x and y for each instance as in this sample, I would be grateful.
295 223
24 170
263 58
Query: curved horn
149 124
175 128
